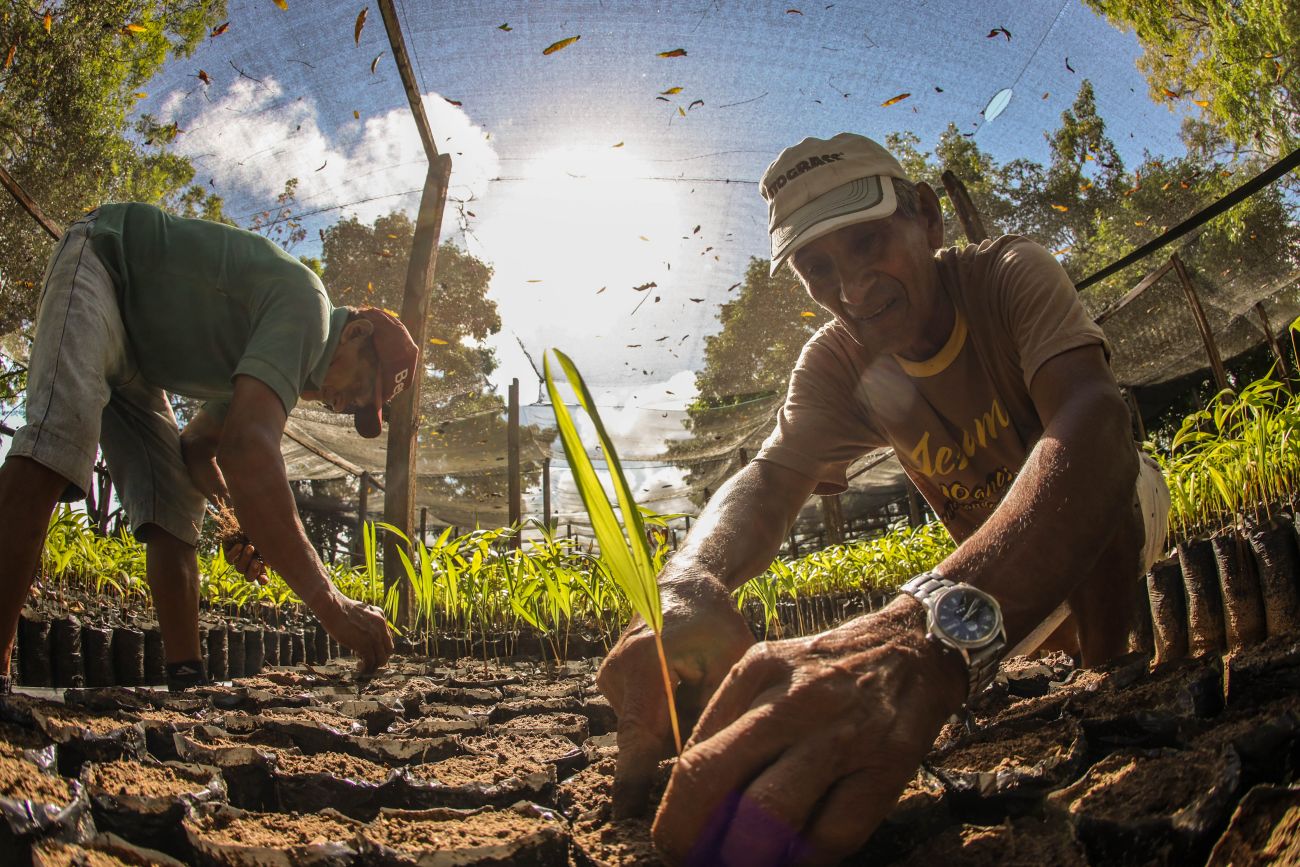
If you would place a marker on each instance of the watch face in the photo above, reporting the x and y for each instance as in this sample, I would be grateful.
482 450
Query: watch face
967 616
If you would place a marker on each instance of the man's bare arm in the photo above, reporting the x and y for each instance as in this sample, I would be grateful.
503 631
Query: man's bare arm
249 459
199 443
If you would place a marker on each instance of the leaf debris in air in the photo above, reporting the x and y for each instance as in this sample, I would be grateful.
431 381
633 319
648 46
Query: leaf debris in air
374 63
1067 63
360 25
1000 31
562 44
283 4
619 145
644 286
894 99
696 300
202 76
695 103
676 52
219 29
670 91
506 27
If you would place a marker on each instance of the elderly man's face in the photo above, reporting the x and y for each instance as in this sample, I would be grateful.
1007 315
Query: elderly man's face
880 281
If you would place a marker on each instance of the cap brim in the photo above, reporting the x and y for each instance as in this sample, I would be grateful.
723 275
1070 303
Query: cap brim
369 422
858 201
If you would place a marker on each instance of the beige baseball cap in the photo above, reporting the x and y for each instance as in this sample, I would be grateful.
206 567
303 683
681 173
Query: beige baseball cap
820 185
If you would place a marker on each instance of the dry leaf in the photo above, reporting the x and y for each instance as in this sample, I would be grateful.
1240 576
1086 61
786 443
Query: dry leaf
895 99
601 289
695 231
676 52
283 4
643 237
1083 188
696 300
506 27
1046 94
204 77
1203 103
361 23
437 341
1000 31
645 286
455 102
1067 64
1063 250
534 280
1061 208
670 91
135 28
374 63
219 29
140 95
693 104
681 111
9 58
1169 93
633 346
619 145
370 286
48 21
563 43
793 12
356 115
808 314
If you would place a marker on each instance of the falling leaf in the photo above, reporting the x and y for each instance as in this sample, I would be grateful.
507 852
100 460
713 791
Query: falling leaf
437 341
645 286
697 301
733 286
356 115
1067 64
661 339
1139 222
1046 94
563 43
997 104
283 4
9 58
455 102
140 95
1203 103
136 28
695 231
534 280
938 89
633 346
643 237
663 99
1063 250
506 27
601 289
1088 157
204 77
808 314
670 91
1061 208
1083 188
375 63
681 111
1169 93
1000 31
693 104
370 287
793 12
895 99
361 23
1169 183
676 52
48 21
323 165
619 145
219 29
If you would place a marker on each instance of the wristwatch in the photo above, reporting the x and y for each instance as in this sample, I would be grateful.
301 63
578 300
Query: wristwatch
965 619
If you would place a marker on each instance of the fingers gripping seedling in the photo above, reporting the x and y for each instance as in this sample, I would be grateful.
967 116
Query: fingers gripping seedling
237 547
626 554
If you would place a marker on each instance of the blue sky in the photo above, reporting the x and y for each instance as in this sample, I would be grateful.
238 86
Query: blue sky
557 209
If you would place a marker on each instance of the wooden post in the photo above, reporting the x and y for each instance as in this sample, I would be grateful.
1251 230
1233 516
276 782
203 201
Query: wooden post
1202 324
512 461
794 544
404 410
833 519
1284 375
29 205
424 526
1138 426
915 517
546 494
967 215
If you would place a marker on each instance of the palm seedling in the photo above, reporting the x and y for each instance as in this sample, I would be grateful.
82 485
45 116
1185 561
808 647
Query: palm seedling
623 548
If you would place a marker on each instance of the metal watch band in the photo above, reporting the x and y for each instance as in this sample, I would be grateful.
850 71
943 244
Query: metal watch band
981 663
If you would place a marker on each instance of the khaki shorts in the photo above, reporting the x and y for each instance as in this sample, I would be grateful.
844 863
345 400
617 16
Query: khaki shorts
84 390
1153 500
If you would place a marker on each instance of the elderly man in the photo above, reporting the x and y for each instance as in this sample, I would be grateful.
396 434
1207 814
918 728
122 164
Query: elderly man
980 368
137 304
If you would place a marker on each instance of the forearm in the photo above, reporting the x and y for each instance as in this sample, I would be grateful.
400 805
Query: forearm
259 493
206 474
1063 508
741 529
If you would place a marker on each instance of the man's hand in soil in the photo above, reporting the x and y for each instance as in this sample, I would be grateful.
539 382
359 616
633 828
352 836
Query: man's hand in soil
703 636
241 554
357 626
808 743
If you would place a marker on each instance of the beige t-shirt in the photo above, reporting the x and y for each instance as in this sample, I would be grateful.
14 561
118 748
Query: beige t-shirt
962 423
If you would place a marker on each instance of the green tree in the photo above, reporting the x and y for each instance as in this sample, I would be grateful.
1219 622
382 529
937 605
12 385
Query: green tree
70 74
1236 60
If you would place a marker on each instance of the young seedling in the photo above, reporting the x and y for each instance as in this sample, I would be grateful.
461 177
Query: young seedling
627 555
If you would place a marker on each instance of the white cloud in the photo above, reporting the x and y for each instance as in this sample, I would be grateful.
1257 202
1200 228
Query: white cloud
253 138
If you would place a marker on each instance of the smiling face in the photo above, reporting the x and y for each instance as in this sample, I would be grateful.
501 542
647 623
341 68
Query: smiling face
879 279
352 377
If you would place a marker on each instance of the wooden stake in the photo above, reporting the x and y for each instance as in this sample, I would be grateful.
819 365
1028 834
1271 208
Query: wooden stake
1202 324
967 215
546 494
512 462
29 205
1283 374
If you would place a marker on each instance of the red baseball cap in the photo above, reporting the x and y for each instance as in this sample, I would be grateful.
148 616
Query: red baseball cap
398 360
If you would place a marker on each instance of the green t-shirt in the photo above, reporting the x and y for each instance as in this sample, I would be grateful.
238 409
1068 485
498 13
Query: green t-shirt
203 302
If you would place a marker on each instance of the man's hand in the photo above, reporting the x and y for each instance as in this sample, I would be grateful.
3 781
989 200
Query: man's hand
703 636
809 742
359 627
241 554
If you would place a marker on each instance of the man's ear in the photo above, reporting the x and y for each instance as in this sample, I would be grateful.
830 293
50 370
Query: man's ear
357 329
931 214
